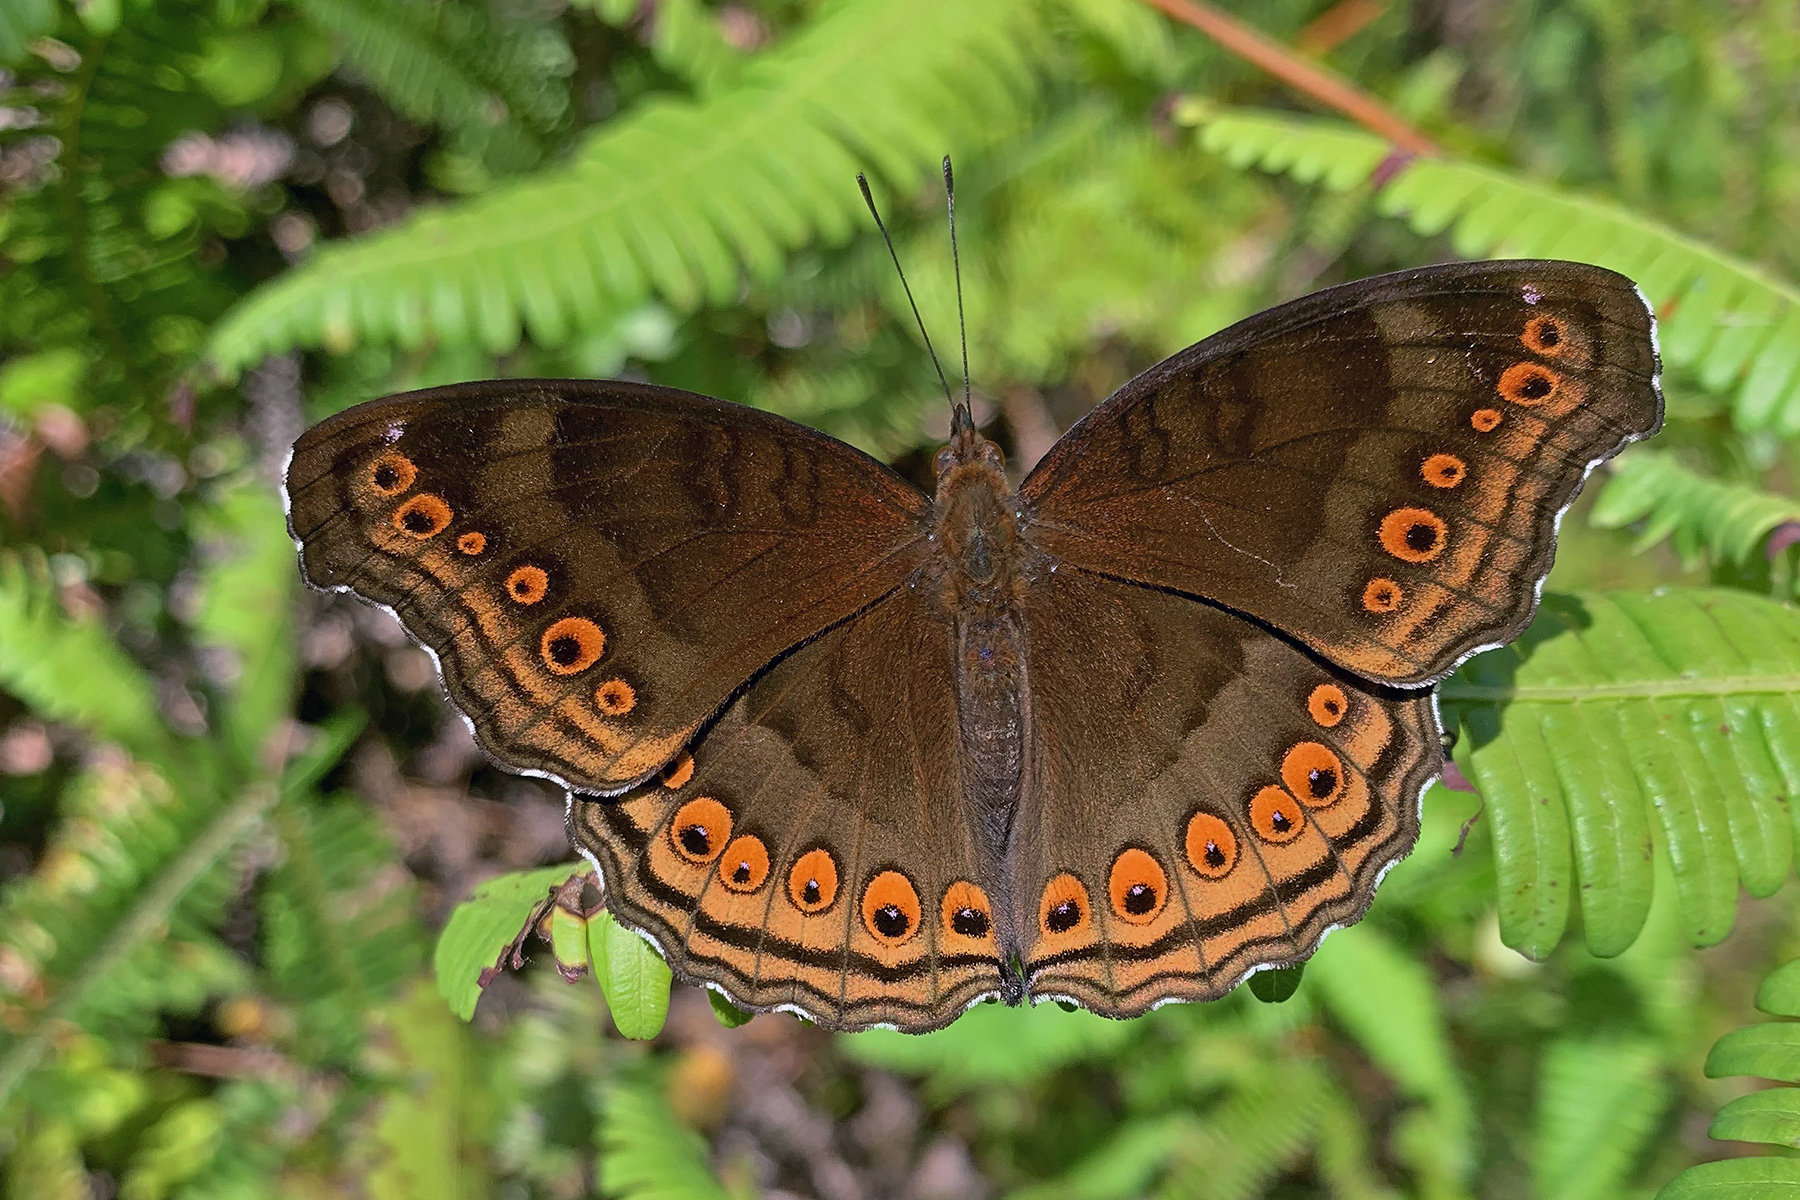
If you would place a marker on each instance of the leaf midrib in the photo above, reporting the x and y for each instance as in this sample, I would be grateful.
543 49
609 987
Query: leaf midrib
1649 689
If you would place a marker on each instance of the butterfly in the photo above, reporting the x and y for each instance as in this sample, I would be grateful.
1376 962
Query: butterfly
1158 718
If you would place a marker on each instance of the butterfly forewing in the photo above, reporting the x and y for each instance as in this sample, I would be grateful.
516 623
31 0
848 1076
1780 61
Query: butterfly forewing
597 566
1375 470
1202 797
814 852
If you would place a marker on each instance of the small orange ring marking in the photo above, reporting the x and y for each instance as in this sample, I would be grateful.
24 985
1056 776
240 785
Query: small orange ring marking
1444 470
679 770
1529 384
700 829
1327 704
1137 886
966 912
392 474
528 585
1485 420
1401 537
1310 766
890 909
1382 596
1545 335
1064 907
745 865
1276 816
424 516
472 542
572 645
1211 846
813 881
615 697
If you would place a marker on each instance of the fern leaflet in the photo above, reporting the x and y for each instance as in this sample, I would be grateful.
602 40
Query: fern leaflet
1700 515
646 1154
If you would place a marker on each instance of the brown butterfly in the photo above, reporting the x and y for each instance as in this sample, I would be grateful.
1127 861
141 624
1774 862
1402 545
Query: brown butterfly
1158 718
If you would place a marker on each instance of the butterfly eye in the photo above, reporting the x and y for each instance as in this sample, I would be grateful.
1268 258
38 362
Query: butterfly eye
1210 845
1444 470
615 698
1275 816
1137 886
1064 907
1413 534
424 516
745 865
1382 596
1313 773
699 829
1485 420
527 585
1544 335
392 474
1327 704
965 911
813 881
890 908
472 542
572 645
1528 384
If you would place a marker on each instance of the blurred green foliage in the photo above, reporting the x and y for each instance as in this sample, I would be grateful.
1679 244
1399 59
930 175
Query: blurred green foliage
233 816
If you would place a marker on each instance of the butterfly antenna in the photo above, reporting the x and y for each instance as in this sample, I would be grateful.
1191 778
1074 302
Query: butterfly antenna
863 183
962 418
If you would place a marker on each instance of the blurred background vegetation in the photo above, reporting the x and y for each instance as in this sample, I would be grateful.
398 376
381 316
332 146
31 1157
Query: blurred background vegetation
233 816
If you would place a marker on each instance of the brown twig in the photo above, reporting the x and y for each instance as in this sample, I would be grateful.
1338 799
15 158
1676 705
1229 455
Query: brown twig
1328 89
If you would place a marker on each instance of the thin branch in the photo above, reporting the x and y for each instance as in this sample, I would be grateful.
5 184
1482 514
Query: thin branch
1328 89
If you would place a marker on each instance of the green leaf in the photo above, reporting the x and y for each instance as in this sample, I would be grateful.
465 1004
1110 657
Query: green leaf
1771 1051
1619 721
1780 992
1277 984
1737 1179
729 1014
675 199
646 1153
23 22
483 926
1599 1102
992 1043
430 1134
1699 515
1771 1115
1730 323
633 977
248 588
1125 1164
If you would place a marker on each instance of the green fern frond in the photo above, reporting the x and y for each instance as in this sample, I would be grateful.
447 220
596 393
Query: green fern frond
1770 1116
685 39
1701 516
449 63
1620 721
70 669
676 199
1736 327
991 1044
248 589
1262 1128
1599 1102
646 1153
23 22
1125 1165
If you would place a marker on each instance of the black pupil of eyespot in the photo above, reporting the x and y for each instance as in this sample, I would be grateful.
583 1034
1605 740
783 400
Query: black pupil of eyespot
418 520
1421 537
1215 857
1280 821
1140 898
969 922
1535 388
890 920
742 874
1321 780
810 893
1548 336
386 476
695 840
564 650
1064 917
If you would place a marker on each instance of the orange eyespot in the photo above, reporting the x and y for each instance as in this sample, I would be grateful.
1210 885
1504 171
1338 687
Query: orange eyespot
1485 420
572 644
890 909
1314 773
1413 534
1137 886
1211 847
1544 335
424 516
1327 704
392 474
745 866
679 770
1444 470
813 881
615 698
527 585
472 542
1382 596
1276 816
1064 907
966 911
700 829
1528 384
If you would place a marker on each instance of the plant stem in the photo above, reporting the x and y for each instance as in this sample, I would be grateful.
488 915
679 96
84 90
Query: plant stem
1327 88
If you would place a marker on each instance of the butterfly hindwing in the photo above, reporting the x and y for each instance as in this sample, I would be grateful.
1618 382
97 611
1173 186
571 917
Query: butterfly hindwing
1377 469
1202 797
597 566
